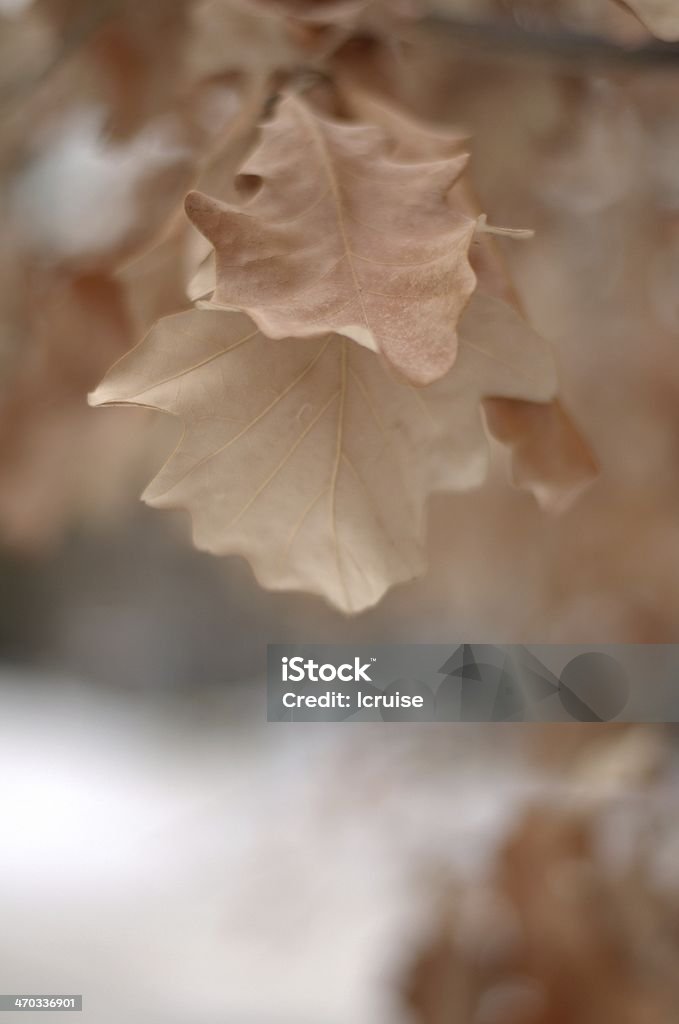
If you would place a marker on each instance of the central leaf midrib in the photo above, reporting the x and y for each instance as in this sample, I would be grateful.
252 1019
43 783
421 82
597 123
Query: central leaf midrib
339 449
326 160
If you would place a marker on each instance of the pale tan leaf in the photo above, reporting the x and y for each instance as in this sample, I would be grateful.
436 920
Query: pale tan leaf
409 139
308 456
549 457
341 236
660 16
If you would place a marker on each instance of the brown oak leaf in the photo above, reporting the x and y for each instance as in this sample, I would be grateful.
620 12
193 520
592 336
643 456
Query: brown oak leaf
548 454
60 463
342 236
310 457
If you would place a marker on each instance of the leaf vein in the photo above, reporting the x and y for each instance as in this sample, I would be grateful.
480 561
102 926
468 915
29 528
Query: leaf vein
241 433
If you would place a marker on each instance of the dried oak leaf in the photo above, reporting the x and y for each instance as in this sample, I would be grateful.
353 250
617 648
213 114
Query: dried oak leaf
660 16
309 457
548 454
58 464
580 924
341 236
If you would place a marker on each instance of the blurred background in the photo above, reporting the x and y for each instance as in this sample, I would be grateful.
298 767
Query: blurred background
162 850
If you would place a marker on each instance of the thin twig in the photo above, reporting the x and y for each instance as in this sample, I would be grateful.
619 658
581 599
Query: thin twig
510 38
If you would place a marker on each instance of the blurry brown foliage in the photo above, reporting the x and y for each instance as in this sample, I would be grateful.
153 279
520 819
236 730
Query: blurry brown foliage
114 111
